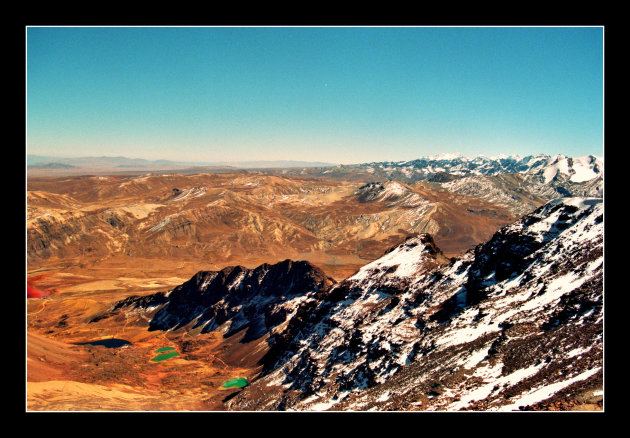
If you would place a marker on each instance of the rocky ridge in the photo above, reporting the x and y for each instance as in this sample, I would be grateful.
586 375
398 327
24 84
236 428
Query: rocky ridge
513 324
232 299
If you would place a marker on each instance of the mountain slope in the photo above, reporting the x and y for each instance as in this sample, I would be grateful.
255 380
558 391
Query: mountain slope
246 219
510 191
513 324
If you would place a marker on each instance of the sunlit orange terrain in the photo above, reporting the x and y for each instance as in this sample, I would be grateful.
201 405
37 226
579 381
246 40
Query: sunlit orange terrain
95 240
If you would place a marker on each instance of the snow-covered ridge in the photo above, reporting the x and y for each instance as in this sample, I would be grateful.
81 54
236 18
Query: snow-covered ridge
577 170
512 323
393 193
402 261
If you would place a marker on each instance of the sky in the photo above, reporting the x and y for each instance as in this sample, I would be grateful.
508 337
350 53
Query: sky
330 94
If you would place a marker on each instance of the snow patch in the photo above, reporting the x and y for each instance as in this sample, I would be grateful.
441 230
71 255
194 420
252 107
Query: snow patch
538 395
487 389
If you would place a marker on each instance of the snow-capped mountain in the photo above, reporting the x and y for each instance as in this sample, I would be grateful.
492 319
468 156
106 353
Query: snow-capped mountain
544 178
517 184
392 193
576 169
513 324
511 191
564 176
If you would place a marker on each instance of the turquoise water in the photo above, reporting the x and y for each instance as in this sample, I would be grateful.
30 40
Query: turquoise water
239 382
161 357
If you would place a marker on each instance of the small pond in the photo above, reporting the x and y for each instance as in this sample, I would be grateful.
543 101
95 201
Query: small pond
108 343
239 382
164 356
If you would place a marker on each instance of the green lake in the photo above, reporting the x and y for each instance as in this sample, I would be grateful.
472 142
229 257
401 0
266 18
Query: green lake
164 356
160 350
239 382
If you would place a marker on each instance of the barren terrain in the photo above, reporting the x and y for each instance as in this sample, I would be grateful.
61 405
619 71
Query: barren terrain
95 240
147 224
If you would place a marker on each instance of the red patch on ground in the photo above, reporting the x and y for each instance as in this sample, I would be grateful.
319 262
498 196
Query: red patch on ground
35 292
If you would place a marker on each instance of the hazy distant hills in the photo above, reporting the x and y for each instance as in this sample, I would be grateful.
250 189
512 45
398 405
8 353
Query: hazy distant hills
273 164
438 168
104 161
119 163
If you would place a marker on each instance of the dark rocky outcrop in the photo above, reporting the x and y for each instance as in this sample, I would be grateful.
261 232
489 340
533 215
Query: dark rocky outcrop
256 299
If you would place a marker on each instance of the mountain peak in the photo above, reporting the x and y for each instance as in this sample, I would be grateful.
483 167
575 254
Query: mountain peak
415 254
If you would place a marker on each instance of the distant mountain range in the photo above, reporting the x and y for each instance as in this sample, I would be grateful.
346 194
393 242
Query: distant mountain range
518 184
549 167
551 176
124 163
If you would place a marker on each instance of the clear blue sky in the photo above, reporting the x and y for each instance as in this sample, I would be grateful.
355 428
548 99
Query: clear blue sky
343 95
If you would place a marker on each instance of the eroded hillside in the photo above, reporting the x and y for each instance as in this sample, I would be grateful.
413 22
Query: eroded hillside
222 219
